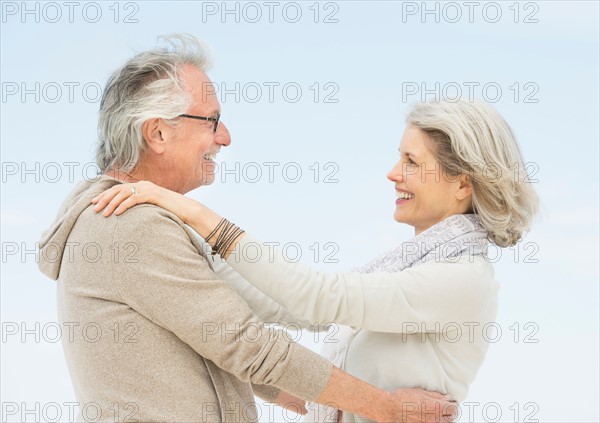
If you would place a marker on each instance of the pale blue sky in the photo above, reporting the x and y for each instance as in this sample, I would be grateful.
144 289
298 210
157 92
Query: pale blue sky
368 58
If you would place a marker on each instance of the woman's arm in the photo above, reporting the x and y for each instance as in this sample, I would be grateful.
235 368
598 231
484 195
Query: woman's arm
203 220
121 197
420 299
426 298
267 309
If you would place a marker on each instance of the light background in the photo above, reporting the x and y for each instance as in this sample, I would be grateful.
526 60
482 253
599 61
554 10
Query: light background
371 52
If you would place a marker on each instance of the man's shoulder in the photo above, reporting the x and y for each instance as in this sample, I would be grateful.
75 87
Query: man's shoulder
150 224
138 215
143 222
148 220
147 214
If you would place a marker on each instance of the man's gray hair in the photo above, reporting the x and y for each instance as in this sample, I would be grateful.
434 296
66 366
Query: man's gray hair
147 86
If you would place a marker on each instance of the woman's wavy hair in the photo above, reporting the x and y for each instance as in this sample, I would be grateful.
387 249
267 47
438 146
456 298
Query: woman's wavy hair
472 138
147 86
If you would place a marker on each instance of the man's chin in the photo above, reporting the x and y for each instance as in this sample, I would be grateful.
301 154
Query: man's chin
207 180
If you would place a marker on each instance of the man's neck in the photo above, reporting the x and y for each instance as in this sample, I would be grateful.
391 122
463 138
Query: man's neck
123 176
139 175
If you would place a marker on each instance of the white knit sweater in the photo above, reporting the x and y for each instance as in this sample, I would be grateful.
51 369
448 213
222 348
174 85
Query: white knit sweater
420 327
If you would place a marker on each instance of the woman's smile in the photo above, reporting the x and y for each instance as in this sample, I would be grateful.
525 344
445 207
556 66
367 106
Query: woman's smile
402 197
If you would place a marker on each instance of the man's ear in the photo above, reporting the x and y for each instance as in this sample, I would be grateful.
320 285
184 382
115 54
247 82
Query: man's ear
154 135
465 188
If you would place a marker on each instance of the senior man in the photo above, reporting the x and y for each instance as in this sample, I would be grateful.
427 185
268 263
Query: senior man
158 336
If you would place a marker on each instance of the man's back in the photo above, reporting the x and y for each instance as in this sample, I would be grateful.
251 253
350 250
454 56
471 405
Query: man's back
155 335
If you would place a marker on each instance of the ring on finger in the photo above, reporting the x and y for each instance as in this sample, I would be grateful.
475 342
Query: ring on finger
133 190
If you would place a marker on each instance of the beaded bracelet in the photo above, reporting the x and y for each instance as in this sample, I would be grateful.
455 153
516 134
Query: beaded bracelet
226 237
214 231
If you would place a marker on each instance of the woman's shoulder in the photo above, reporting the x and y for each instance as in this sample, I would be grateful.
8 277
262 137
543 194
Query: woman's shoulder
463 270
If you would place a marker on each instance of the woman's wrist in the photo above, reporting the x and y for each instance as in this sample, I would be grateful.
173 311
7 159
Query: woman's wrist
199 217
218 232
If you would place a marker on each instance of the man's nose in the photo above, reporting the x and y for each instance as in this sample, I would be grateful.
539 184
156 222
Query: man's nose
222 136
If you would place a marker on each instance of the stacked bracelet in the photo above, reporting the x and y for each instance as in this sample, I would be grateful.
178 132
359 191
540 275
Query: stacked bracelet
229 233
214 231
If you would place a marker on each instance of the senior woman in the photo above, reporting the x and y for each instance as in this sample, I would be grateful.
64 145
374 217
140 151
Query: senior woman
413 316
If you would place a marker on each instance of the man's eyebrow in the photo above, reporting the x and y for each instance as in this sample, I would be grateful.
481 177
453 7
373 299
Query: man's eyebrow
213 112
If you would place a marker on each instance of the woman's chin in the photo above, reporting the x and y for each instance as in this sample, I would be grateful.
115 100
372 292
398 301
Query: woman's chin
400 218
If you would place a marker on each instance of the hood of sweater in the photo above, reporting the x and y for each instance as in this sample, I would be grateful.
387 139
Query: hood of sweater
53 243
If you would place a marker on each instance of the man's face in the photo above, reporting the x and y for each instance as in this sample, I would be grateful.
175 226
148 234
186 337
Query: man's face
194 143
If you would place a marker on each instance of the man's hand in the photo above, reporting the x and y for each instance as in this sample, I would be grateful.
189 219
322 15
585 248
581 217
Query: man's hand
291 402
421 406
345 392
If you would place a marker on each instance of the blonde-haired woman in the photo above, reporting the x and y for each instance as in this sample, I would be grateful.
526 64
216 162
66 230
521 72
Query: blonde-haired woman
413 316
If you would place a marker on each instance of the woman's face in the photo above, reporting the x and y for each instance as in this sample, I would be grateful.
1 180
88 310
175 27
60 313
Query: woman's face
425 194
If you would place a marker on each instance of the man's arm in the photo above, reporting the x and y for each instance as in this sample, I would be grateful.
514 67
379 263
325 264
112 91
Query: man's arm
345 392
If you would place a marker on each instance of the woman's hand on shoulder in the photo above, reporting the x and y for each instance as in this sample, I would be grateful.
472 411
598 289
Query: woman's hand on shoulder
121 197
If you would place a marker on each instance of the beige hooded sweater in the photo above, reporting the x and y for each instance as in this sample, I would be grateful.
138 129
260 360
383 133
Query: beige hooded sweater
150 332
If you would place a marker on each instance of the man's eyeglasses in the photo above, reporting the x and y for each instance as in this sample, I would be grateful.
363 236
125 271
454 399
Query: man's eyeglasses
215 120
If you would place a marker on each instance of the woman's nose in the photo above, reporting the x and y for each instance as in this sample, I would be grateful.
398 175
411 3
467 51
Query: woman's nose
395 174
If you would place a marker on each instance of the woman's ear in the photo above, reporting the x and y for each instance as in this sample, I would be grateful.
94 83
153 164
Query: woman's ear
465 188
154 136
